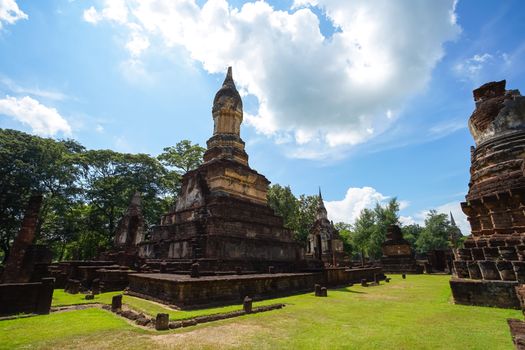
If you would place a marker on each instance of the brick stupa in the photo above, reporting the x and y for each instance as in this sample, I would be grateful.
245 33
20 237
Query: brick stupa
492 262
222 219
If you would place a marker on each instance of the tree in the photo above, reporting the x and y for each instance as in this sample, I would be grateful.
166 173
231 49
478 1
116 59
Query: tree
32 164
384 216
345 232
110 180
183 156
364 228
283 202
411 233
306 218
180 159
436 233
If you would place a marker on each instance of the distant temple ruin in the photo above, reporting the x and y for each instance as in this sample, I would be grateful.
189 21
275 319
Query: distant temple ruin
324 242
398 255
491 264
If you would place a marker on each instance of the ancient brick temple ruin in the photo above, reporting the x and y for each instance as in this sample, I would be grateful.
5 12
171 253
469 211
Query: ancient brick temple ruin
221 241
492 262
24 287
324 242
398 256
222 218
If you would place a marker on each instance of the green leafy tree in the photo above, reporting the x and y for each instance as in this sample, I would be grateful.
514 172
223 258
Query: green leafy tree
384 216
180 159
306 218
111 179
436 233
298 213
411 233
32 164
364 228
283 202
184 156
345 231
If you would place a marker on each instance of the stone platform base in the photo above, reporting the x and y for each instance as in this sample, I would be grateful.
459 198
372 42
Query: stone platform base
401 265
186 292
30 298
485 293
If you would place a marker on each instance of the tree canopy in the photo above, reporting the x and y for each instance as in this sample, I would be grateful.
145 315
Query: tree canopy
85 191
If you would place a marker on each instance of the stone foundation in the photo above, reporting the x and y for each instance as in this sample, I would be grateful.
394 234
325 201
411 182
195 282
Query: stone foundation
185 291
32 298
485 293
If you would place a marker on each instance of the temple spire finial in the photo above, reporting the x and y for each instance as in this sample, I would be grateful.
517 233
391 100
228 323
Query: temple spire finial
452 221
320 195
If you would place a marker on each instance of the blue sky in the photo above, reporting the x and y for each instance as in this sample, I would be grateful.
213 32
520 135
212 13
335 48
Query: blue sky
367 99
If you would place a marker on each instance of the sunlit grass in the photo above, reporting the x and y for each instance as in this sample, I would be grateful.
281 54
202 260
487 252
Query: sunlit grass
415 313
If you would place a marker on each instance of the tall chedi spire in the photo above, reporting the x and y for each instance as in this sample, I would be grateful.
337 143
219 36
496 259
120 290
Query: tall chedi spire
321 210
227 114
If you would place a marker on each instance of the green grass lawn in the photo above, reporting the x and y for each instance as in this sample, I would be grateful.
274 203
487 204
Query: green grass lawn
60 298
415 313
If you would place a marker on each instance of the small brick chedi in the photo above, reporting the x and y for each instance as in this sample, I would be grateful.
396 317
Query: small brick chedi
492 262
324 242
222 218
398 256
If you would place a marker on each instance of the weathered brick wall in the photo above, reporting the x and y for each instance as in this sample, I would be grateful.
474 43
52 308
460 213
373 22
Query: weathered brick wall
34 297
184 291
485 293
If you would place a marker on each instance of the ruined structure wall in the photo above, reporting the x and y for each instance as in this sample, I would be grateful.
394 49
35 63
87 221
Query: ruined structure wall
19 267
16 298
492 260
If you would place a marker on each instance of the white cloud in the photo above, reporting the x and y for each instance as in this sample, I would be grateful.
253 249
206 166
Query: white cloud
43 120
356 199
10 12
323 93
407 220
479 66
472 66
447 208
137 44
34 91
459 216
403 204
446 128
114 10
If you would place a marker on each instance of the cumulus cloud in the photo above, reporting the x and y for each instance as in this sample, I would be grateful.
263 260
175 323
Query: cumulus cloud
356 199
114 10
315 91
45 121
10 12
447 208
